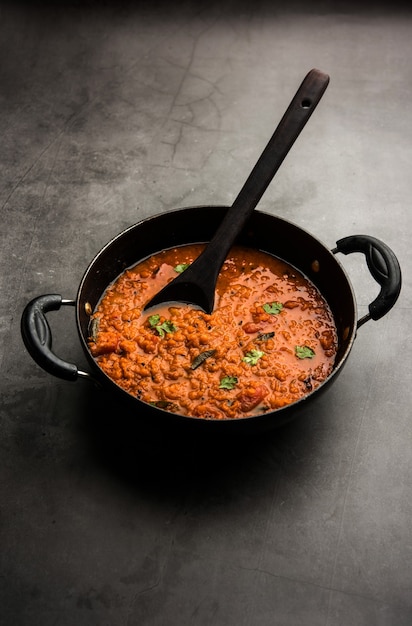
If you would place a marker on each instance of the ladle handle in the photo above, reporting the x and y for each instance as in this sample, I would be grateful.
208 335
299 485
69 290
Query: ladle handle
293 121
197 283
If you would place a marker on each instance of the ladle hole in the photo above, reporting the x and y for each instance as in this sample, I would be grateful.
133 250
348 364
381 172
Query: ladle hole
306 103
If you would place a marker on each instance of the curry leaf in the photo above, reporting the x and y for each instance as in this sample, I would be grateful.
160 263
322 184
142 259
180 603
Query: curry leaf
253 357
163 404
228 382
304 352
94 328
265 336
201 358
273 308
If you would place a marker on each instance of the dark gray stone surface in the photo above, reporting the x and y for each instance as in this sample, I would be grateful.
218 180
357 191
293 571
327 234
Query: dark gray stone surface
112 112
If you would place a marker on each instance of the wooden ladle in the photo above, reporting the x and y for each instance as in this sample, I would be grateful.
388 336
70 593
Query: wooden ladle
196 285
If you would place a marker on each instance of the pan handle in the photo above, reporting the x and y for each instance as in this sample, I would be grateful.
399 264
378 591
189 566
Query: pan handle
37 337
384 267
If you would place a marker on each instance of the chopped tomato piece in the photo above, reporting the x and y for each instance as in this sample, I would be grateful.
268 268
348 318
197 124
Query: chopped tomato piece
251 397
251 328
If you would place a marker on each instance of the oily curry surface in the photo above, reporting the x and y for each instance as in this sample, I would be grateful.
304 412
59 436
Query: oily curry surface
270 340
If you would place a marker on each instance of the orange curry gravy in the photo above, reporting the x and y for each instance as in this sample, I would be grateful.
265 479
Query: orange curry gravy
270 340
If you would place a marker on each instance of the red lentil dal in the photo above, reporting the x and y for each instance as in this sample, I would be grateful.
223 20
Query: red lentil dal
270 340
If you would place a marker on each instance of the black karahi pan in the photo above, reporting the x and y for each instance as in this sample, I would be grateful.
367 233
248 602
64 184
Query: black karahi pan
263 231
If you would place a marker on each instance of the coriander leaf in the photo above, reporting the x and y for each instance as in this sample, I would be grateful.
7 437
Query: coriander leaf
253 357
304 352
166 327
273 308
181 267
228 382
154 320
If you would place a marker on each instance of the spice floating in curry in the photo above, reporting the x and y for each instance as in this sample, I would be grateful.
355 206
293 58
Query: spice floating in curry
270 340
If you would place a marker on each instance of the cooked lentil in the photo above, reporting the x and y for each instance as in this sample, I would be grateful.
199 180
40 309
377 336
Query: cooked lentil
270 340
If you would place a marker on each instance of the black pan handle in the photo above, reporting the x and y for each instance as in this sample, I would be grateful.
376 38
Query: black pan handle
37 337
384 267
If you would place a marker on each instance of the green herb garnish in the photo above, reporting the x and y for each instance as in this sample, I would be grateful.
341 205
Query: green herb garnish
181 267
253 357
304 352
273 308
228 382
166 327
154 320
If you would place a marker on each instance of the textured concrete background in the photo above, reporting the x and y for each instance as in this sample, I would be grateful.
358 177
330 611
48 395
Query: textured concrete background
111 112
